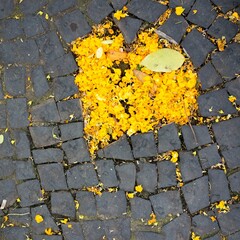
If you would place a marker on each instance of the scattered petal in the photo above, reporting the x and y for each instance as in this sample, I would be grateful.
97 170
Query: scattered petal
139 188
38 218
48 231
1 138
99 52
232 98
179 10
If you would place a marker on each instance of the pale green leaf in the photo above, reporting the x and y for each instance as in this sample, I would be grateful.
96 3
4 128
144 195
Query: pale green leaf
1 138
163 60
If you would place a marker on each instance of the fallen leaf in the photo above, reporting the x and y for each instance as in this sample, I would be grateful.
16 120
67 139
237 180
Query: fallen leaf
140 75
179 10
99 52
163 60
116 55
4 203
1 138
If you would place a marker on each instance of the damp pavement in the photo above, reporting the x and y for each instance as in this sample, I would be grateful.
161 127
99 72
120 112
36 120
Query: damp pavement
45 165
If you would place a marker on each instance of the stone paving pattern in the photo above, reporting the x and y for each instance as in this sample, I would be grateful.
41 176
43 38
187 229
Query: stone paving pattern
44 148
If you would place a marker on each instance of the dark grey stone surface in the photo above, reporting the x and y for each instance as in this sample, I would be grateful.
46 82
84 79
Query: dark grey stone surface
226 5
46 237
19 233
106 173
47 155
166 174
149 11
197 46
208 76
219 186
232 157
148 235
140 208
233 88
234 236
27 6
72 25
186 4
212 103
209 156
201 133
234 181
166 203
227 133
24 170
57 6
144 145
6 148
20 216
107 202
146 170
196 194
75 232
3 116
10 28
52 177
76 150
8 191
98 227
118 4
189 166
7 168
127 176
62 203
215 237
71 131
82 176
29 193
6 8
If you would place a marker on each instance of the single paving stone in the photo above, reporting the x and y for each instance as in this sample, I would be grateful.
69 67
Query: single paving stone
45 112
166 174
175 27
44 136
17 113
64 87
62 203
140 208
98 227
189 166
106 173
118 229
76 151
196 194
29 193
50 47
70 110
39 81
186 4
10 28
19 52
222 27
82 176
129 27
6 8
226 5
3 116
52 177
178 228
209 156
57 6
45 237
208 76
201 133
74 232
71 131
8 192
118 4
168 138
203 225
149 11
6 148
27 6
205 13
149 184
24 170
73 25
234 181
227 133
20 217
213 103
127 176
219 186
34 25
229 222
97 10
87 204
47 155
233 88
166 203
11 233
235 236
232 157
107 202
144 145
22 144
63 65
227 62
7 168
148 235
197 46
39 228
119 149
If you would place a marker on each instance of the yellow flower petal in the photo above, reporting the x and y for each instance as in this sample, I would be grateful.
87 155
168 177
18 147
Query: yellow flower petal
38 218
139 188
48 231
179 10
232 98
130 195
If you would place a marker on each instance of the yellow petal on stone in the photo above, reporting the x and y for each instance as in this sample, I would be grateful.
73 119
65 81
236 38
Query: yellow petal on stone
139 188
179 10
48 231
194 11
38 218
130 195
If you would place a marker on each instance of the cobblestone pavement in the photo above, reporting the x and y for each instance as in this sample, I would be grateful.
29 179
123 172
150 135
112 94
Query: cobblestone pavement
45 165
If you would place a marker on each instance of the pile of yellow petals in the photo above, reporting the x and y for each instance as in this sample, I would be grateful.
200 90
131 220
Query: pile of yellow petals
115 101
